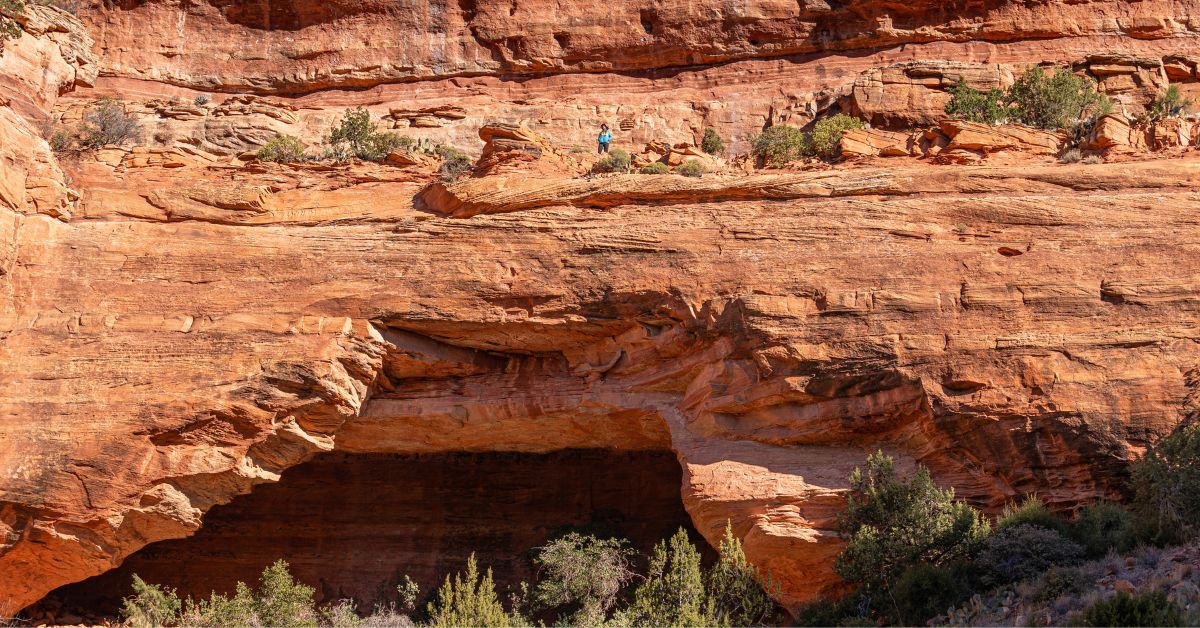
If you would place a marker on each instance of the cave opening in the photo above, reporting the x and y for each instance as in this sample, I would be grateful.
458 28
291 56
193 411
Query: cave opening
353 525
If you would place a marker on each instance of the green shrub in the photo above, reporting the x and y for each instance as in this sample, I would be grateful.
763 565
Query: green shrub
578 150
827 134
780 144
9 29
737 593
281 149
468 599
365 141
150 606
281 601
1166 485
968 103
1054 101
1145 609
1092 160
923 591
61 141
107 123
849 610
200 100
1032 511
1102 527
673 592
691 168
1023 551
584 574
893 523
657 167
712 143
616 161
1168 104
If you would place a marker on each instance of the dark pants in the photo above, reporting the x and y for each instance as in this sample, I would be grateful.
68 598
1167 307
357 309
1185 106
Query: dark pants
602 148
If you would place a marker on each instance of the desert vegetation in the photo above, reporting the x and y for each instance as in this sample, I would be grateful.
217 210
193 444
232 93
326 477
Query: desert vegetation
780 144
1056 100
583 580
356 134
915 553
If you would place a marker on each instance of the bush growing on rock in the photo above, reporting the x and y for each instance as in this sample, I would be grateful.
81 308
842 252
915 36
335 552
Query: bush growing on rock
972 105
281 149
1071 156
691 168
1054 101
455 163
200 100
826 138
106 123
780 144
583 576
1023 551
1145 609
365 141
712 143
1166 483
892 523
9 29
1168 104
616 161
657 167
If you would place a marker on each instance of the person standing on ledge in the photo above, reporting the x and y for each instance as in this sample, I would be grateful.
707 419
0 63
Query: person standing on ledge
603 140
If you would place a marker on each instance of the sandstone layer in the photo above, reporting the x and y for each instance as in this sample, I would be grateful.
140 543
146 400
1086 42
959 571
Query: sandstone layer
181 323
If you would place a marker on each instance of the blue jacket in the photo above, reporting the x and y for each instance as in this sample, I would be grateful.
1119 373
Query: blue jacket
605 137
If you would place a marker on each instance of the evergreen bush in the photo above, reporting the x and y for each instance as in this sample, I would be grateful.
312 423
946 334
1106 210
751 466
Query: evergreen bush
892 523
468 599
1166 484
780 144
712 143
1022 551
281 149
826 138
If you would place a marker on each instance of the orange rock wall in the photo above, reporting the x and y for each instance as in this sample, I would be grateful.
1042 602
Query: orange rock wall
189 325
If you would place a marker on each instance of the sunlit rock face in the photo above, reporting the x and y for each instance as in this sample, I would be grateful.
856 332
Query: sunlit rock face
183 325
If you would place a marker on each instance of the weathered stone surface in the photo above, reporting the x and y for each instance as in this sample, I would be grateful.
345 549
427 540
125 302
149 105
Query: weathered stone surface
871 142
199 324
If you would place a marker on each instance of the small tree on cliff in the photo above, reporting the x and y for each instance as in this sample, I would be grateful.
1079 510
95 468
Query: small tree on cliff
891 523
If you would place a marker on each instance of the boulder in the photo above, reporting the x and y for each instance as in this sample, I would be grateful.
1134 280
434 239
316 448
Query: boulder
869 142
986 139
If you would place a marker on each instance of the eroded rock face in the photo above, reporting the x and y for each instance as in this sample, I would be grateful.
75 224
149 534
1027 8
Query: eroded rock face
197 324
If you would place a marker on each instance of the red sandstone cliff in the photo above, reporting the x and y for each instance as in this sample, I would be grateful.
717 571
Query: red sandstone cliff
179 325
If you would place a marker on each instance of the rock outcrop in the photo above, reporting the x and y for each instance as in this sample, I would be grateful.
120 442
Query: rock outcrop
193 324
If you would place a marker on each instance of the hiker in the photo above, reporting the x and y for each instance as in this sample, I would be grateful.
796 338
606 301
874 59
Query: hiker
603 140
